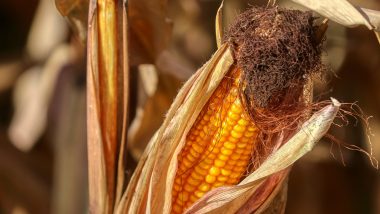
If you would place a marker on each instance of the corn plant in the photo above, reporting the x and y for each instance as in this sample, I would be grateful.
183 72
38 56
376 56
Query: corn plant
237 125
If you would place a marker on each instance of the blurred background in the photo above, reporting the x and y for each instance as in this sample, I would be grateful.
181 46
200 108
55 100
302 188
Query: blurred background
43 164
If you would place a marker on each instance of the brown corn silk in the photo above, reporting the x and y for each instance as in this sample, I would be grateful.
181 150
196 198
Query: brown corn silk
278 51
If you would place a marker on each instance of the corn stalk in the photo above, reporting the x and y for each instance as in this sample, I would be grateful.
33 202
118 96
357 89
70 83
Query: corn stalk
107 89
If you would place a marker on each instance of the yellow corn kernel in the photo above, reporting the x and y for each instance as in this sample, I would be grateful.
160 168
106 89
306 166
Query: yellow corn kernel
243 122
222 178
235 156
229 145
189 188
220 163
210 179
235 175
236 134
226 151
218 146
222 157
196 176
225 172
194 182
204 187
177 208
215 171
219 184
199 194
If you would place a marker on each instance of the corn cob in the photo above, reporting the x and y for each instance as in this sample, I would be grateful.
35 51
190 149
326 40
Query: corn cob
218 147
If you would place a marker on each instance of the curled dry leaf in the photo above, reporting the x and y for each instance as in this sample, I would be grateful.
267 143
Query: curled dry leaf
340 11
344 13
373 16
219 25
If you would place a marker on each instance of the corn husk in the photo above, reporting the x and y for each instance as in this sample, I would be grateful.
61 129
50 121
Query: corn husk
219 25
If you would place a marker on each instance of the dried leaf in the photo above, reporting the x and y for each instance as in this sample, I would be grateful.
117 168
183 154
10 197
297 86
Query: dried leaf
107 88
219 25
223 199
124 95
340 11
373 16
343 12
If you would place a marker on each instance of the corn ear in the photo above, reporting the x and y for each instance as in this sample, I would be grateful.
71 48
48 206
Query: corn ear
150 188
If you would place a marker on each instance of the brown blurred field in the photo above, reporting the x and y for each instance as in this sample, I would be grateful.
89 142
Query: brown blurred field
43 163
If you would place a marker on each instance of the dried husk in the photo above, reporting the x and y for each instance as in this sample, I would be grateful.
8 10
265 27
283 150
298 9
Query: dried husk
344 13
219 25
340 11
